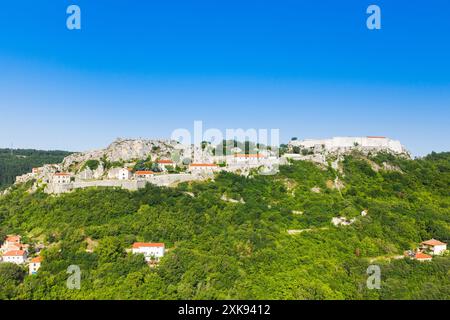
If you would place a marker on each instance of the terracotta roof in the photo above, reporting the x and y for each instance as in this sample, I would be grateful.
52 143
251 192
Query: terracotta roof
165 161
147 244
376 137
422 256
37 260
144 172
62 174
14 253
203 165
433 242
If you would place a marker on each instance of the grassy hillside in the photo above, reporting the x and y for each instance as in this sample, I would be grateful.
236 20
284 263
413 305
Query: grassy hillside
17 162
221 250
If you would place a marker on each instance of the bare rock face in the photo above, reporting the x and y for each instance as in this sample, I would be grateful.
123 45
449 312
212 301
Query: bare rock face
123 150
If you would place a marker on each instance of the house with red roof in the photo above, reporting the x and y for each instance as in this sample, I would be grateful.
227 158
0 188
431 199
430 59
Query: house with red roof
143 174
436 247
15 256
420 256
35 264
151 251
11 243
61 178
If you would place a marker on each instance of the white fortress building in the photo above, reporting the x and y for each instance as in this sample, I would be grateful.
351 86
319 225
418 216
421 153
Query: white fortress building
345 144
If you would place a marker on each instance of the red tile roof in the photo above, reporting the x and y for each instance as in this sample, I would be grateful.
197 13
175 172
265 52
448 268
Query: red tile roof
422 256
203 165
165 161
433 242
147 244
14 253
249 155
37 260
143 172
376 137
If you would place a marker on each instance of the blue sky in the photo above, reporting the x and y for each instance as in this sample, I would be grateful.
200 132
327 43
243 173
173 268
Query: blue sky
144 68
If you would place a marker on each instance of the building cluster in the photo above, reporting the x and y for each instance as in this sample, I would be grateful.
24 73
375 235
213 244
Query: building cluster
427 250
14 251
213 164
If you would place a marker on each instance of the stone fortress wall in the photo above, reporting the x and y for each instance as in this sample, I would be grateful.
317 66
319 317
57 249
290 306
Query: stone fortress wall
343 144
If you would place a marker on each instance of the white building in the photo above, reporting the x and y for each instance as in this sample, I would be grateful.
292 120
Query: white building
151 251
203 167
35 264
15 256
124 174
343 144
11 243
61 178
144 174
435 246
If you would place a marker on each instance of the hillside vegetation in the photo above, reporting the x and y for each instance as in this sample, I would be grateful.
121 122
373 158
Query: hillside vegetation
242 250
17 162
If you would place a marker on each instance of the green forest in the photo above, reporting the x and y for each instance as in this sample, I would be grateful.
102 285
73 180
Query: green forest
219 249
15 162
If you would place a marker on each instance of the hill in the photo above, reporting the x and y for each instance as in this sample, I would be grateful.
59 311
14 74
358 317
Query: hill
221 249
15 162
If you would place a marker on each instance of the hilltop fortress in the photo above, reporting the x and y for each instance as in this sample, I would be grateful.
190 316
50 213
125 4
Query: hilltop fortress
342 145
132 163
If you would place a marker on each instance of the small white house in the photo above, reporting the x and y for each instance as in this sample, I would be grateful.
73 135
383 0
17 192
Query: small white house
151 251
35 264
61 178
435 246
15 256
124 174
144 174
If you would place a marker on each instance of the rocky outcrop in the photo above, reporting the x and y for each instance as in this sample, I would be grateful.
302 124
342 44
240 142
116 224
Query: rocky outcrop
124 150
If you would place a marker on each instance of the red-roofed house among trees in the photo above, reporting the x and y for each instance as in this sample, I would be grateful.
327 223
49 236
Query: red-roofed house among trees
35 264
11 243
420 256
151 251
436 247
15 256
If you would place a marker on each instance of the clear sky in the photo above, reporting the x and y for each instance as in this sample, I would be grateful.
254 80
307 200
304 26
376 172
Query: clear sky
144 68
